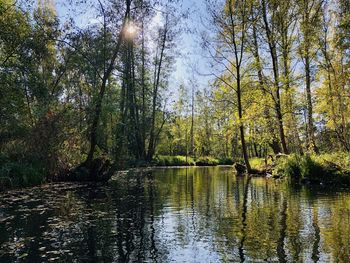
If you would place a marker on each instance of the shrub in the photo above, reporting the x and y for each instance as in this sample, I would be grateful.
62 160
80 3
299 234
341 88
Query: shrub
257 163
14 174
226 161
166 160
325 167
288 167
311 169
207 161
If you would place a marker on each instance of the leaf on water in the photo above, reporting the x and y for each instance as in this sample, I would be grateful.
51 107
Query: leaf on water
42 248
23 256
2 220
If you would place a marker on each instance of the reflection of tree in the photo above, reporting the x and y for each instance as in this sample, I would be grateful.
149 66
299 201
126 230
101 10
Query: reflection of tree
337 234
145 217
153 247
315 248
294 222
262 221
281 253
244 219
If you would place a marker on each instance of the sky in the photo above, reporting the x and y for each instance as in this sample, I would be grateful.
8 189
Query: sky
190 65
192 62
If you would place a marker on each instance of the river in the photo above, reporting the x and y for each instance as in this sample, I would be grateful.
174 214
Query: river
175 215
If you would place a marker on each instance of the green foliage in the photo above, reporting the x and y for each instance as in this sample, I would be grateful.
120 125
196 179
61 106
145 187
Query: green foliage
257 163
165 160
226 161
339 160
17 174
207 161
327 168
179 160
288 166
311 168
55 101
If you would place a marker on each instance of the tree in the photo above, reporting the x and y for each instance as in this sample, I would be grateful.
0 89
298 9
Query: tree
269 23
310 17
109 64
232 25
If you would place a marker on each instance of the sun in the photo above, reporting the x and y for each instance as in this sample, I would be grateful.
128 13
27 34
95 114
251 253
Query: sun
131 29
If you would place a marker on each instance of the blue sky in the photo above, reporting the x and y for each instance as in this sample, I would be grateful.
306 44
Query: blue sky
191 60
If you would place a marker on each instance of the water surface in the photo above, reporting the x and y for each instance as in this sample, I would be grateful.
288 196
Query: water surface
175 215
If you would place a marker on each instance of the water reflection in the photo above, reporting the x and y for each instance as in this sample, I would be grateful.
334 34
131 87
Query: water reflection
175 215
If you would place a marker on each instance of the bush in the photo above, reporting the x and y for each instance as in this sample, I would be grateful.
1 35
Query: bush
16 174
288 167
166 160
311 169
257 164
332 168
207 161
226 161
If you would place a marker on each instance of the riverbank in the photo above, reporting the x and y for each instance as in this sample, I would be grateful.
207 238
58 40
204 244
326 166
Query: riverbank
327 169
324 169
18 173
179 160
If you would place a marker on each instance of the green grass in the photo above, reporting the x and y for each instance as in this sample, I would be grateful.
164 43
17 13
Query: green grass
166 160
325 168
178 160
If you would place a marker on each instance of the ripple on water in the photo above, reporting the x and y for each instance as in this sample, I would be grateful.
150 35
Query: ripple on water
175 215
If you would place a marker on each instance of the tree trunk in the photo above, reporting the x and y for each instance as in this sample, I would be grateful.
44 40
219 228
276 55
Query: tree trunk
106 75
241 127
274 58
158 67
311 138
270 126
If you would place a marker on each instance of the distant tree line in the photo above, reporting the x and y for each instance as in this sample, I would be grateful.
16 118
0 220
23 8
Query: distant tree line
281 81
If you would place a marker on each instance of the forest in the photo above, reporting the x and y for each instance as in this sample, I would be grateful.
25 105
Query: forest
174 131
82 98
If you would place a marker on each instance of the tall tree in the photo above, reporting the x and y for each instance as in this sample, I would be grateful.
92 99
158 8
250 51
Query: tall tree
268 14
310 18
109 65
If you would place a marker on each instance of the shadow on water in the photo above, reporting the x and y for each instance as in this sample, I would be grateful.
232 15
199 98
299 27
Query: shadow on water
282 257
177 215
244 219
315 248
153 248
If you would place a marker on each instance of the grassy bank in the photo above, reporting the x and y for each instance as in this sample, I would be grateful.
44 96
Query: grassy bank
333 168
165 160
16 173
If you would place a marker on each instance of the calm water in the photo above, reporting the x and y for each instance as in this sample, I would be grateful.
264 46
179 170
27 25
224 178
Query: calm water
175 215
